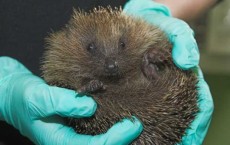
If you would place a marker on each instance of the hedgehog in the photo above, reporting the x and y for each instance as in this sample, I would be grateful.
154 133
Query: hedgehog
125 64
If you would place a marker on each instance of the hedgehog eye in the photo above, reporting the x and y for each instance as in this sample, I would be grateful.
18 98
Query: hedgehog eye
122 44
91 47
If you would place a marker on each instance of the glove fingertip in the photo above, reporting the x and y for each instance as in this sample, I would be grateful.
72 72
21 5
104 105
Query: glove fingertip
65 102
185 58
87 106
125 131
121 133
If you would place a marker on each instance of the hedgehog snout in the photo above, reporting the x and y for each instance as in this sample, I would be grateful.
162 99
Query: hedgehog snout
111 66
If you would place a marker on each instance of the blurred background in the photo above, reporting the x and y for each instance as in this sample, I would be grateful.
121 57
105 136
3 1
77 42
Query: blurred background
213 36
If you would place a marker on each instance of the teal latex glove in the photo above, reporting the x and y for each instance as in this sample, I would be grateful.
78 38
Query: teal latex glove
185 54
199 127
185 50
34 108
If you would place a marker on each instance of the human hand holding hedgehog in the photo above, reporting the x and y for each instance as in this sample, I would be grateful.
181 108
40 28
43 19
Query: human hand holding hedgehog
185 55
151 71
33 107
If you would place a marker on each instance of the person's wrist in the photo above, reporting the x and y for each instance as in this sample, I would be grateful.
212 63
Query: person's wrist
9 68
4 83
2 98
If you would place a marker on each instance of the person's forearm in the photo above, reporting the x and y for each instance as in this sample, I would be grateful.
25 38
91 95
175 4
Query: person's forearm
188 9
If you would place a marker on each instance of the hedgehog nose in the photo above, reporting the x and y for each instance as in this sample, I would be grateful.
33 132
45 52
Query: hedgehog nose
111 66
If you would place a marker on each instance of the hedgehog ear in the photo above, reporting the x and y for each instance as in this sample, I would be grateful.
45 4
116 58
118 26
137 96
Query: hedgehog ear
153 65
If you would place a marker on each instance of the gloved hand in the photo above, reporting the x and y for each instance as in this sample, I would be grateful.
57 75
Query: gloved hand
196 133
185 51
185 55
34 108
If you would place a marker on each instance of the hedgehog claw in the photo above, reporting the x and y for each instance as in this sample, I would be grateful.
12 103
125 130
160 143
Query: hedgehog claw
92 86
